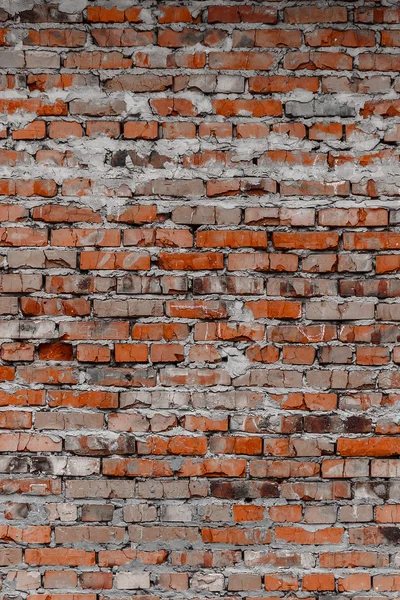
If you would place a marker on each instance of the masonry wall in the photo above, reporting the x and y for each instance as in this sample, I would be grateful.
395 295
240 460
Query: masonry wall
199 300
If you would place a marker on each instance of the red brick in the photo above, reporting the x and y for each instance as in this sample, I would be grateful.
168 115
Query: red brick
322 582
332 61
71 38
33 131
303 240
351 38
254 108
242 14
59 130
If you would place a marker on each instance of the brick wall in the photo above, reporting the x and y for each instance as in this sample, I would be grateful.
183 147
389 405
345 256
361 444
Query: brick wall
199 318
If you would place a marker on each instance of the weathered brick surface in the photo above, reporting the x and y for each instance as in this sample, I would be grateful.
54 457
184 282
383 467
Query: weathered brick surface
199 317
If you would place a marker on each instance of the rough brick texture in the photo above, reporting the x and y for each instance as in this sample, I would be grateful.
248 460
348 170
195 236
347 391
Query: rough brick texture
199 283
